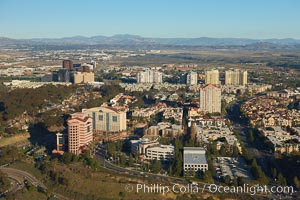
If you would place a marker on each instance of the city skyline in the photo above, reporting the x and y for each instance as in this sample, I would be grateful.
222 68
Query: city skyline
179 19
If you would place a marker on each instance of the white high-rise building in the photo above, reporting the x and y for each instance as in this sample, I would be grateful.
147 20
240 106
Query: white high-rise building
212 77
149 76
236 77
210 99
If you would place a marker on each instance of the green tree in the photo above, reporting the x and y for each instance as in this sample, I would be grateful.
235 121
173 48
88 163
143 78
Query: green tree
227 179
235 182
240 181
207 177
156 166
66 158
9 154
250 136
130 161
111 148
122 160
274 172
281 179
235 151
177 162
223 150
213 149
254 163
223 107
258 173
247 155
296 182
177 167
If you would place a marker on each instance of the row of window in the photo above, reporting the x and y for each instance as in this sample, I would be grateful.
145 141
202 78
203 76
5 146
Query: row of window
114 118
159 153
196 168
195 165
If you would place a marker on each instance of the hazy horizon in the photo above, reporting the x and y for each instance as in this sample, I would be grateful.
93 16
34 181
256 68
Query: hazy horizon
71 36
155 19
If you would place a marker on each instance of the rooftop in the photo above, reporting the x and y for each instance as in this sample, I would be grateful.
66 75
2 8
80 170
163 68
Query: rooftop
194 155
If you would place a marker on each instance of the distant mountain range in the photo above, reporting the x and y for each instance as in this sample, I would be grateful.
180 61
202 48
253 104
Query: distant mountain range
126 39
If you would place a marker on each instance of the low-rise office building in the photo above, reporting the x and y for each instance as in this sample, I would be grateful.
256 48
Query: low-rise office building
160 152
194 160
138 147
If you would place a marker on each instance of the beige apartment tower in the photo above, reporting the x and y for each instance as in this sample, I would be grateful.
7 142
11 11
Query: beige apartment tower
210 99
236 77
80 132
107 119
212 77
149 76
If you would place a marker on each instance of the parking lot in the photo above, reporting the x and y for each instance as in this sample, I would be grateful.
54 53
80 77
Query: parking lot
234 167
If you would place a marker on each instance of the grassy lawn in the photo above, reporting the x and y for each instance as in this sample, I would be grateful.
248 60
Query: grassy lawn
25 194
18 138
84 183
27 167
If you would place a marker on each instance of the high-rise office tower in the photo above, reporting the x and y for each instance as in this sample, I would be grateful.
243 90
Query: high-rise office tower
80 132
210 99
236 77
212 77
68 64
190 78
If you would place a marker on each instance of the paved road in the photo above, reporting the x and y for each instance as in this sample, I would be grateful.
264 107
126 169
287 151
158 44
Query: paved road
242 127
170 179
109 165
19 176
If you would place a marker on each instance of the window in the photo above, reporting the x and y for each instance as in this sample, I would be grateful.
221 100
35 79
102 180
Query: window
60 140
100 117
115 118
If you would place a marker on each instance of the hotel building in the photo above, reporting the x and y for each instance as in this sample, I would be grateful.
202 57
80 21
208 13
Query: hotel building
80 132
107 119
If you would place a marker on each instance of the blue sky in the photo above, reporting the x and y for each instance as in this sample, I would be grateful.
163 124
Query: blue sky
150 18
